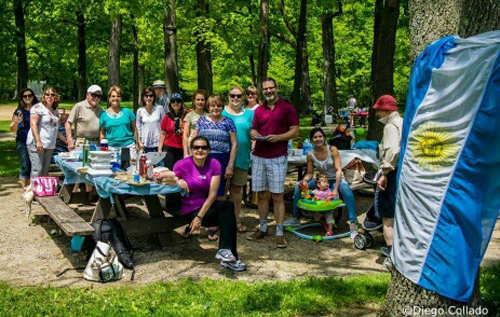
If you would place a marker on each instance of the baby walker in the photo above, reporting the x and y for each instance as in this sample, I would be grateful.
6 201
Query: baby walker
308 203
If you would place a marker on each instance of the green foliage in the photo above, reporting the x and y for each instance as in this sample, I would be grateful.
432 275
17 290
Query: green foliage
231 28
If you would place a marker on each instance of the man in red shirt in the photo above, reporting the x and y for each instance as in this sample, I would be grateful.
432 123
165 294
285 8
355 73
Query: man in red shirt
274 123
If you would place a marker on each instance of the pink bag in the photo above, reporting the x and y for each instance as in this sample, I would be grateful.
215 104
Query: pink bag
44 186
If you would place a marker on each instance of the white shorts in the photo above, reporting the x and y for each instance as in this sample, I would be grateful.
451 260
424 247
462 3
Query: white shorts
269 174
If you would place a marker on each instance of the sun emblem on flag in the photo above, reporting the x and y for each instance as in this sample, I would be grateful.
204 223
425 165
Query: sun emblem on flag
433 147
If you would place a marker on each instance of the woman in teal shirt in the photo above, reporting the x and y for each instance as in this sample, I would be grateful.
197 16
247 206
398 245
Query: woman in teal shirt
117 125
242 118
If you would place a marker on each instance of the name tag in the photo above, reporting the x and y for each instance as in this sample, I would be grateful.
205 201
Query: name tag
202 177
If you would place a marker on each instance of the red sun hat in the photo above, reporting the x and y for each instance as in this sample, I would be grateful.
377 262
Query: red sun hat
386 102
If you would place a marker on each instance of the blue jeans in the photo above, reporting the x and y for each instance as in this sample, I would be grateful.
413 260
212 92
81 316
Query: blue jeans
344 190
25 160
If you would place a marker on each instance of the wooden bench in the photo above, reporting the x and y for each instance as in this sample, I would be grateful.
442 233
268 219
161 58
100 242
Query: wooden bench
68 220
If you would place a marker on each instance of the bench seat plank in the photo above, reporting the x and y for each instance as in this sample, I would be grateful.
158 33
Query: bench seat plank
68 220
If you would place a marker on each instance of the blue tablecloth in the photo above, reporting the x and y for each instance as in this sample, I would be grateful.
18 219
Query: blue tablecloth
106 186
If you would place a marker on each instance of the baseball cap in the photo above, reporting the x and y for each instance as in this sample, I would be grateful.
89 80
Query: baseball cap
94 88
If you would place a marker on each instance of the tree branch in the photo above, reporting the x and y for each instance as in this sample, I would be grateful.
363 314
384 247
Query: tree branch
339 12
285 39
289 26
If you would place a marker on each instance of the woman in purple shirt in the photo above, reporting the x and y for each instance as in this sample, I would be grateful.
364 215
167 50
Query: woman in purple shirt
199 175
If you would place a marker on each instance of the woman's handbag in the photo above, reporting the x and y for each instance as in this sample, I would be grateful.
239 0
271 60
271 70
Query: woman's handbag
44 186
103 265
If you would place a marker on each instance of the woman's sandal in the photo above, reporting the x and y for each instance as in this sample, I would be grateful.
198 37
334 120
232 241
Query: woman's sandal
241 227
212 234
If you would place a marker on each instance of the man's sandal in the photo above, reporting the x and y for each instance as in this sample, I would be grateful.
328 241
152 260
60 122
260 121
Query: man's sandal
212 235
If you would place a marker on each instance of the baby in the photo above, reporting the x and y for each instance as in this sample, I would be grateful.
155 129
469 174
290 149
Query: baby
323 192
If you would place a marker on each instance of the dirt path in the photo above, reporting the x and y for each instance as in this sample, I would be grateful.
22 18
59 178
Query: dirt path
31 256
6 112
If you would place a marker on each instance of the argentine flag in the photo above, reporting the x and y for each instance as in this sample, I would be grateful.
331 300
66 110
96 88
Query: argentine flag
448 194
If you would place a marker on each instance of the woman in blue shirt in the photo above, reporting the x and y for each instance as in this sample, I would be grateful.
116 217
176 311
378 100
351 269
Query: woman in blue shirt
21 123
117 125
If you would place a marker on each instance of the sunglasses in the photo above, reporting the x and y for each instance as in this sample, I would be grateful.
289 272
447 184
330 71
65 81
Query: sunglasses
50 95
176 101
235 96
149 96
28 96
251 94
200 147
95 95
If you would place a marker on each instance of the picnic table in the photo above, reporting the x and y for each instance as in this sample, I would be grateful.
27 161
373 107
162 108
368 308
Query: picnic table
111 192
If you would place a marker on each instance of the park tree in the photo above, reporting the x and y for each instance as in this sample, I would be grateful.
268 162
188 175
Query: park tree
429 21
22 57
384 46
328 41
301 96
115 39
170 43
203 47
264 41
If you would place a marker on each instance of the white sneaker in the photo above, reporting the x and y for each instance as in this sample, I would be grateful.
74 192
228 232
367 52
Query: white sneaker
354 233
237 266
225 255
388 263
291 223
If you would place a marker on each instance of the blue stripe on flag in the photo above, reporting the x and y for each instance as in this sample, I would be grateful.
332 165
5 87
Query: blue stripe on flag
420 80
471 205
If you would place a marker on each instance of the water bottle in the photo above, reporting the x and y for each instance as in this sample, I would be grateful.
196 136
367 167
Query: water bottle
290 147
86 150
306 147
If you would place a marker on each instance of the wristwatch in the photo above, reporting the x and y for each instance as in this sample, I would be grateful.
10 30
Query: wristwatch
199 217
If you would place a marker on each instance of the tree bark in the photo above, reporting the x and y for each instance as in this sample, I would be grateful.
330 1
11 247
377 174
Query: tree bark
82 56
329 79
299 56
204 53
135 67
403 293
305 84
264 42
170 41
382 80
22 57
141 82
114 52
479 16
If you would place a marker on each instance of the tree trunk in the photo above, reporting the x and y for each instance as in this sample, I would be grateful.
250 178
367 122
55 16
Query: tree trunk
429 21
170 40
329 79
382 80
299 55
264 42
479 16
82 56
204 53
114 52
306 81
135 67
252 69
141 83
403 293
22 57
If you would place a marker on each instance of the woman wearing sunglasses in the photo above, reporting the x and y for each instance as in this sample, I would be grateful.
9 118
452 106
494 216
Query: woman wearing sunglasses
21 123
251 98
242 118
172 131
199 175
148 121
41 140
199 109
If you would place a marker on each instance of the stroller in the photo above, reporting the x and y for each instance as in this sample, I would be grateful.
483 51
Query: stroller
317 118
372 220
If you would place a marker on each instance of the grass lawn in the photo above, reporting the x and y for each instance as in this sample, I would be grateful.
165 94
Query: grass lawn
5 126
311 296
9 159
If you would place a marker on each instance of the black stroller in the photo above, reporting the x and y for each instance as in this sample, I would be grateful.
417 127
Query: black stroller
371 222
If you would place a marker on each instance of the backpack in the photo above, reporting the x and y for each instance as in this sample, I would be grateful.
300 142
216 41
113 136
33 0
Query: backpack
111 231
341 138
103 265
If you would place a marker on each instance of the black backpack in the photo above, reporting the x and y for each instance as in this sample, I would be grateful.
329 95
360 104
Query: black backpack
111 231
